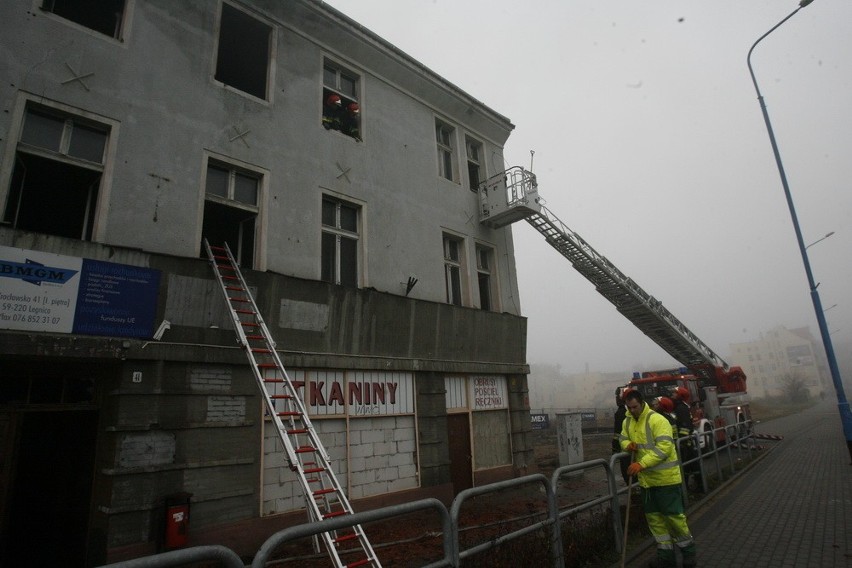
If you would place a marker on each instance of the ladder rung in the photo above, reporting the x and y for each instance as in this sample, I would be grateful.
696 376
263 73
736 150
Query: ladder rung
244 300
357 563
314 470
260 350
333 514
345 538
224 277
250 324
320 492
289 413
280 396
254 337
248 312
305 449
225 267
298 431
235 288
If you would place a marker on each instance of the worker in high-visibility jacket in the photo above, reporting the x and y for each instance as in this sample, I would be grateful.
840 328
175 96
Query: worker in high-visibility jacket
648 436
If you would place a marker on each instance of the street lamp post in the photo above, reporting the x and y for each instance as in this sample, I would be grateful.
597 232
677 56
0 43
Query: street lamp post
819 240
842 403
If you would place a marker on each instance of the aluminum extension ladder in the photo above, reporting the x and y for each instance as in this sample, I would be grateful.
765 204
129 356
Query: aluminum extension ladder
306 455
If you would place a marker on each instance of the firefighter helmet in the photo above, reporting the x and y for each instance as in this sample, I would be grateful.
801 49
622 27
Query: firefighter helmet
666 404
333 101
682 393
353 108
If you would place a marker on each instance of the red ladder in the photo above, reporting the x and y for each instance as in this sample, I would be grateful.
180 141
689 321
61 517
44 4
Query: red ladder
306 454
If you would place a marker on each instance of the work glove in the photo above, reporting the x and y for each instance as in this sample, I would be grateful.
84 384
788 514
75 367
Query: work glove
632 447
634 468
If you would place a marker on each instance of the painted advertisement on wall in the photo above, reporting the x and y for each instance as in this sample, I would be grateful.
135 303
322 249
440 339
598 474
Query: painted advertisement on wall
488 392
361 393
54 293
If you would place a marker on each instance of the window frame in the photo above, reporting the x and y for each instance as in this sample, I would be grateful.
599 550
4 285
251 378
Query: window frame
339 233
25 101
454 266
490 272
120 35
446 151
234 167
343 122
469 143
272 42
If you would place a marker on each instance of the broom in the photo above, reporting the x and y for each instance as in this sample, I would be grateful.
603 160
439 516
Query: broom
627 514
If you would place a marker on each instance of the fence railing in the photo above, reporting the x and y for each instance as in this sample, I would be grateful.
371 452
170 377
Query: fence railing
739 440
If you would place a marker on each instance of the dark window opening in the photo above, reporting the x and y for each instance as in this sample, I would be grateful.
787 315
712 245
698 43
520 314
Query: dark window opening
474 160
52 197
243 57
452 270
483 267
444 137
231 225
104 16
485 291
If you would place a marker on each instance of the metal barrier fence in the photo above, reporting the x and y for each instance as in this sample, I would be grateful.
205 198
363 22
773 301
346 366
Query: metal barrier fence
452 553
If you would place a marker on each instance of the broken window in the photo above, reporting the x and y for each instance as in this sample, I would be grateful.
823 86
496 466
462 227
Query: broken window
243 57
446 158
339 242
103 16
474 163
231 211
57 174
341 110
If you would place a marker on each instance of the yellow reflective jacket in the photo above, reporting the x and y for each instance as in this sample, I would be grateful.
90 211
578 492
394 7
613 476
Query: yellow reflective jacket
657 454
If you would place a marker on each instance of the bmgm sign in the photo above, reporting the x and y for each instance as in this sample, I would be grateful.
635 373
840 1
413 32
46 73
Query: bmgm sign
42 291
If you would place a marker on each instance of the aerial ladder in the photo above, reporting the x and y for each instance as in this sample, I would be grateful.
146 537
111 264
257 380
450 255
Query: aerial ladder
512 196
306 455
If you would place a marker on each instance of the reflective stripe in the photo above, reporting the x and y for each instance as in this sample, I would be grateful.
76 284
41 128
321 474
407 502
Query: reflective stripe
684 541
664 438
663 539
664 465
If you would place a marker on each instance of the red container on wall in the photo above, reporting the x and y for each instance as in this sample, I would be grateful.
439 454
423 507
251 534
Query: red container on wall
176 531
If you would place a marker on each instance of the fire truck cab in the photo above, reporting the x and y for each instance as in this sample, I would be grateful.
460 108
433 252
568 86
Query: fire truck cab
710 408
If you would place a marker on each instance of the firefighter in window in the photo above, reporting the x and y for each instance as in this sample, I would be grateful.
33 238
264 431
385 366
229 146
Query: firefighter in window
332 112
350 122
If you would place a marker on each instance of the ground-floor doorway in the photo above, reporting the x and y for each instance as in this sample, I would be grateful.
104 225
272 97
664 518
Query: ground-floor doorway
461 459
48 441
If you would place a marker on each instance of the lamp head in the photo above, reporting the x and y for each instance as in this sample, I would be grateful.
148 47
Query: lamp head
804 3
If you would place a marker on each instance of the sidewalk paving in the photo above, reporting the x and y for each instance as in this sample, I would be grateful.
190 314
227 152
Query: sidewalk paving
791 509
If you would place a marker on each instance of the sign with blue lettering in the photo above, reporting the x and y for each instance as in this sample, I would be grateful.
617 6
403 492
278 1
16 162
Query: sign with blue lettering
42 291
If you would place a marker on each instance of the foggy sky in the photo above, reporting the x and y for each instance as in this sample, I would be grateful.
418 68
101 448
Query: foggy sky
649 142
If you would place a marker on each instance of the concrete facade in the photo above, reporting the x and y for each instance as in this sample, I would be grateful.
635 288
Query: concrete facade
360 241
781 355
